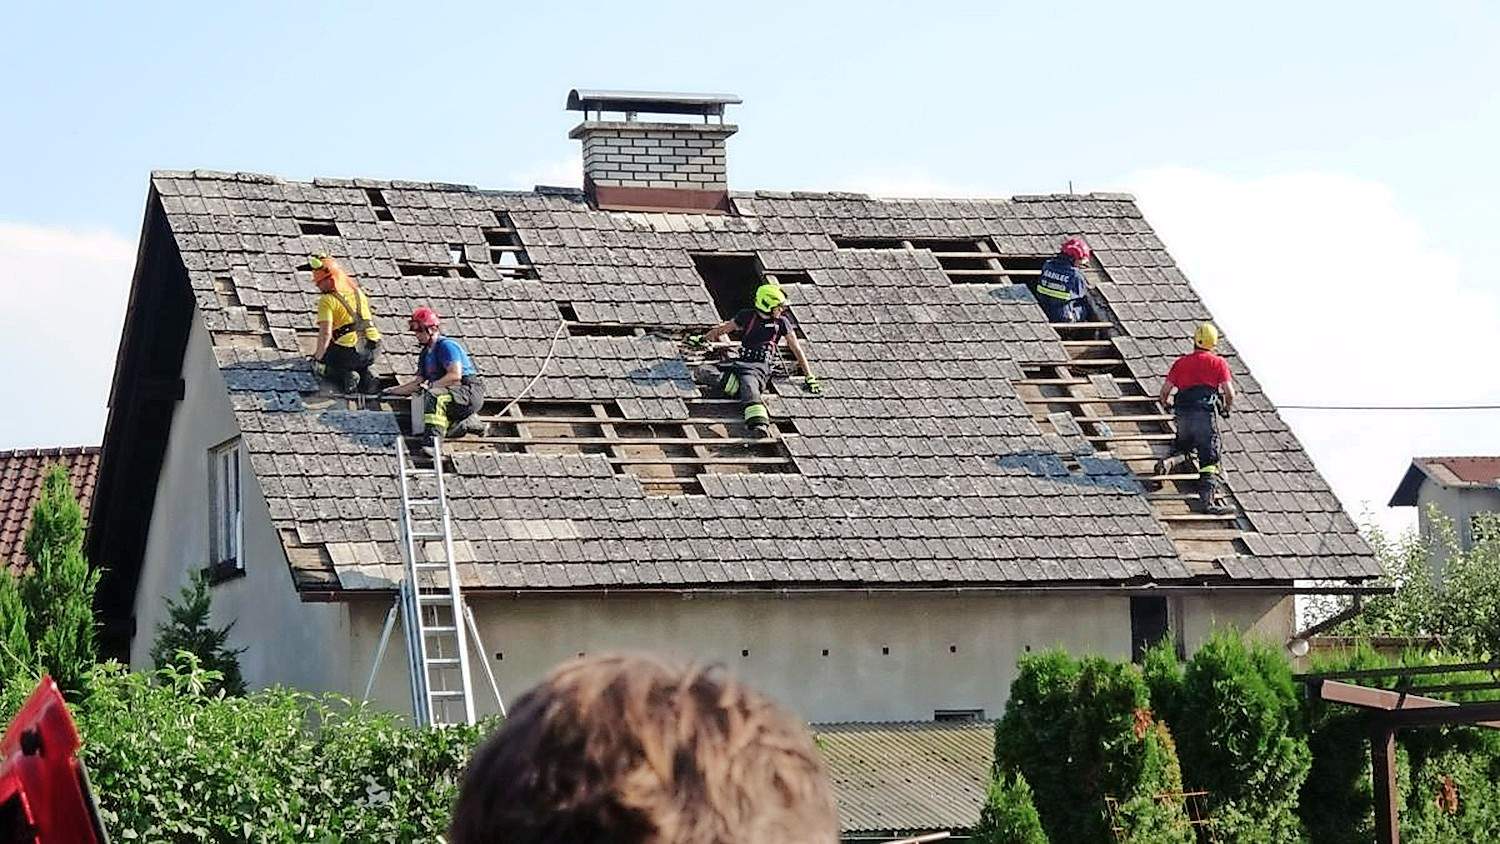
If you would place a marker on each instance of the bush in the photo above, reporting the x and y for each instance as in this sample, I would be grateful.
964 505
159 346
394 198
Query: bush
1239 737
47 615
1080 732
1009 817
188 631
171 763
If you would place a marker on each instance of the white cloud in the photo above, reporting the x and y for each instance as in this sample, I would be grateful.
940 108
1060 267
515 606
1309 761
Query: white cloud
1334 294
562 172
64 296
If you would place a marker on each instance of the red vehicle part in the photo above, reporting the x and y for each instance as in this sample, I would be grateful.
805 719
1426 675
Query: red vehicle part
44 789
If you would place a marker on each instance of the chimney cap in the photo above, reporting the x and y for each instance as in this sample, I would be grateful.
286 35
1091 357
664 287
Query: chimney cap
658 102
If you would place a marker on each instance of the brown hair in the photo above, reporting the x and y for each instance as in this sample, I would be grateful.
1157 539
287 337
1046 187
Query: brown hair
630 748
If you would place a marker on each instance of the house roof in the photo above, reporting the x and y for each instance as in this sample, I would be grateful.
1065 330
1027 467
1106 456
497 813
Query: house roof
920 465
1451 472
21 474
908 777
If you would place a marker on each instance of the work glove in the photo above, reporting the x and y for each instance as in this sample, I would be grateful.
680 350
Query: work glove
813 385
696 341
319 368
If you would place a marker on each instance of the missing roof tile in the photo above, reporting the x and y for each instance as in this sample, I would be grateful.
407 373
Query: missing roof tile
790 277
326 228
730 280
377 201
415 269
456 254
507 252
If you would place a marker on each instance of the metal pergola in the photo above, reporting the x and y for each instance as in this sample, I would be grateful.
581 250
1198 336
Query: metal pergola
1406 706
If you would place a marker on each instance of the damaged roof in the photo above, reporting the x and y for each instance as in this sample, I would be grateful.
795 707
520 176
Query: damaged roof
919 465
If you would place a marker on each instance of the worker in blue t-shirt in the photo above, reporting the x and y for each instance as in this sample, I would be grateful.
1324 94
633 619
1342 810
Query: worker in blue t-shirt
450 385
1061 289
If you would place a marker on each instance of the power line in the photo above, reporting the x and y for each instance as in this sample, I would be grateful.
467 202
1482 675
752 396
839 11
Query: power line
1379 407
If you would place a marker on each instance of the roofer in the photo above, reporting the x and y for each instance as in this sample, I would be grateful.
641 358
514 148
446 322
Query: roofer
1202 382
1061 289
450 386
761 331
348 340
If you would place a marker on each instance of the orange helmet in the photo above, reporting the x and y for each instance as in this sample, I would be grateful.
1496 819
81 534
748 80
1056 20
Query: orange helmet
326 272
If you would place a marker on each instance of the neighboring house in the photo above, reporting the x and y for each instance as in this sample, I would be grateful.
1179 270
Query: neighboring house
21 474
906 779
1458 488
966 489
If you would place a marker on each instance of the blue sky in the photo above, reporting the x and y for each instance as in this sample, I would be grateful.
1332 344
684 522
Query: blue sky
1303 161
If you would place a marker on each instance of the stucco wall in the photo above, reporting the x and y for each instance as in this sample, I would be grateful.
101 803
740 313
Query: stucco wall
944 651
287 641
1458 505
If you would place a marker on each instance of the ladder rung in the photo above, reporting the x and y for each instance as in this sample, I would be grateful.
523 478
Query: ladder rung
434 597
422 501
439 629
426 534
413 473
430 565
455 694
442 661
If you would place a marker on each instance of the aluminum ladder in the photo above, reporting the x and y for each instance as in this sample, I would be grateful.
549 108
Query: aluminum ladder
439 626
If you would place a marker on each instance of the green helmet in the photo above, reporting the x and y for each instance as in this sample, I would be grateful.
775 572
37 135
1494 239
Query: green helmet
769 296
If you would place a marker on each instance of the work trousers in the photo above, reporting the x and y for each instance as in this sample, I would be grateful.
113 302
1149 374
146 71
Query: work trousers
1198 435
445 409
341 361
746 380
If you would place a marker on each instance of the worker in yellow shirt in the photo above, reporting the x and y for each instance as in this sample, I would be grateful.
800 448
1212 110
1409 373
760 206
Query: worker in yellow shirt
348 340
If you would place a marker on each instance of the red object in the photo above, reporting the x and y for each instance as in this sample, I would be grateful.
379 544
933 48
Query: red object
44 790
1075 248
1199 369
425 317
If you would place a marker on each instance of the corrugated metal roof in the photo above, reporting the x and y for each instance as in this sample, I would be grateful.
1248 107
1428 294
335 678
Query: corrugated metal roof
907 777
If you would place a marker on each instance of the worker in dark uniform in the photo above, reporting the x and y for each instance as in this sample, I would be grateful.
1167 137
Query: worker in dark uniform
1203 386
348 341
762 329
447 381
1061 289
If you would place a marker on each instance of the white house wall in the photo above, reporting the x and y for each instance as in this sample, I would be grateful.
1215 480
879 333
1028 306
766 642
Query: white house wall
890 656
1459 505
287 641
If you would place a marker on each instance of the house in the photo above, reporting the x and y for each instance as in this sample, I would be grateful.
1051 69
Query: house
967 487
1458 488
21 474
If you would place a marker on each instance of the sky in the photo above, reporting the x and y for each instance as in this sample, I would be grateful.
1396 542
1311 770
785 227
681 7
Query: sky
1324 173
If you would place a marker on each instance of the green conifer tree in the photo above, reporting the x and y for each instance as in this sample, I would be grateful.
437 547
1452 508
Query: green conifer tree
189 630
57 588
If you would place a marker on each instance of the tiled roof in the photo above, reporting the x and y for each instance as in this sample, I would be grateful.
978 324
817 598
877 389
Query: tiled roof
21 474
1480 472
910 777
919 465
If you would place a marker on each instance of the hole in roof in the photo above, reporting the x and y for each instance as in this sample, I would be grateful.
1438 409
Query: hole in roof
567 311
377 201
790 277
456 254
413 269
506 250
327 228
730 280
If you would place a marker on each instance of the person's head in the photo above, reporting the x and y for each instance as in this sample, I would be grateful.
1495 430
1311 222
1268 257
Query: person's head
326 271
424 325
637 750
1205 336
1075 248
770 299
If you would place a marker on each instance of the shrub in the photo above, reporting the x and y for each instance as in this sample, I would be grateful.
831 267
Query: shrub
1009 817
188 631
1239 738
1083 731
171 763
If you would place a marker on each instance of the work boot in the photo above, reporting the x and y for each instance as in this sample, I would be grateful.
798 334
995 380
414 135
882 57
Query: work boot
348 383
1209 501
760 430
432 431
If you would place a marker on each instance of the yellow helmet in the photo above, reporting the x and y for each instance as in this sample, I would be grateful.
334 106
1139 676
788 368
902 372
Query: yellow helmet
769 296
1205 336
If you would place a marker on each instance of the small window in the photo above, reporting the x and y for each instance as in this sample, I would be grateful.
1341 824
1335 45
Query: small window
958 715
1148 624
1482 528
226 530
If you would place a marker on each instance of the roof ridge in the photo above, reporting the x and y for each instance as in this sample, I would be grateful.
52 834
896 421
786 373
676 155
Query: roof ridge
52 451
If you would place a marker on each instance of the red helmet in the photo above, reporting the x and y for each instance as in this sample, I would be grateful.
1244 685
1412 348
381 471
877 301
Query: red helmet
423 317
1075 248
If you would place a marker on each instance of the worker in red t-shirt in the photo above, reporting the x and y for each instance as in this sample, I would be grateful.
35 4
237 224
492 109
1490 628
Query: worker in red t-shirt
1203 386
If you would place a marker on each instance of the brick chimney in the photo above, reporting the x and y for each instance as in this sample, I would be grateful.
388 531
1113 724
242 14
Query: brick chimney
635 165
